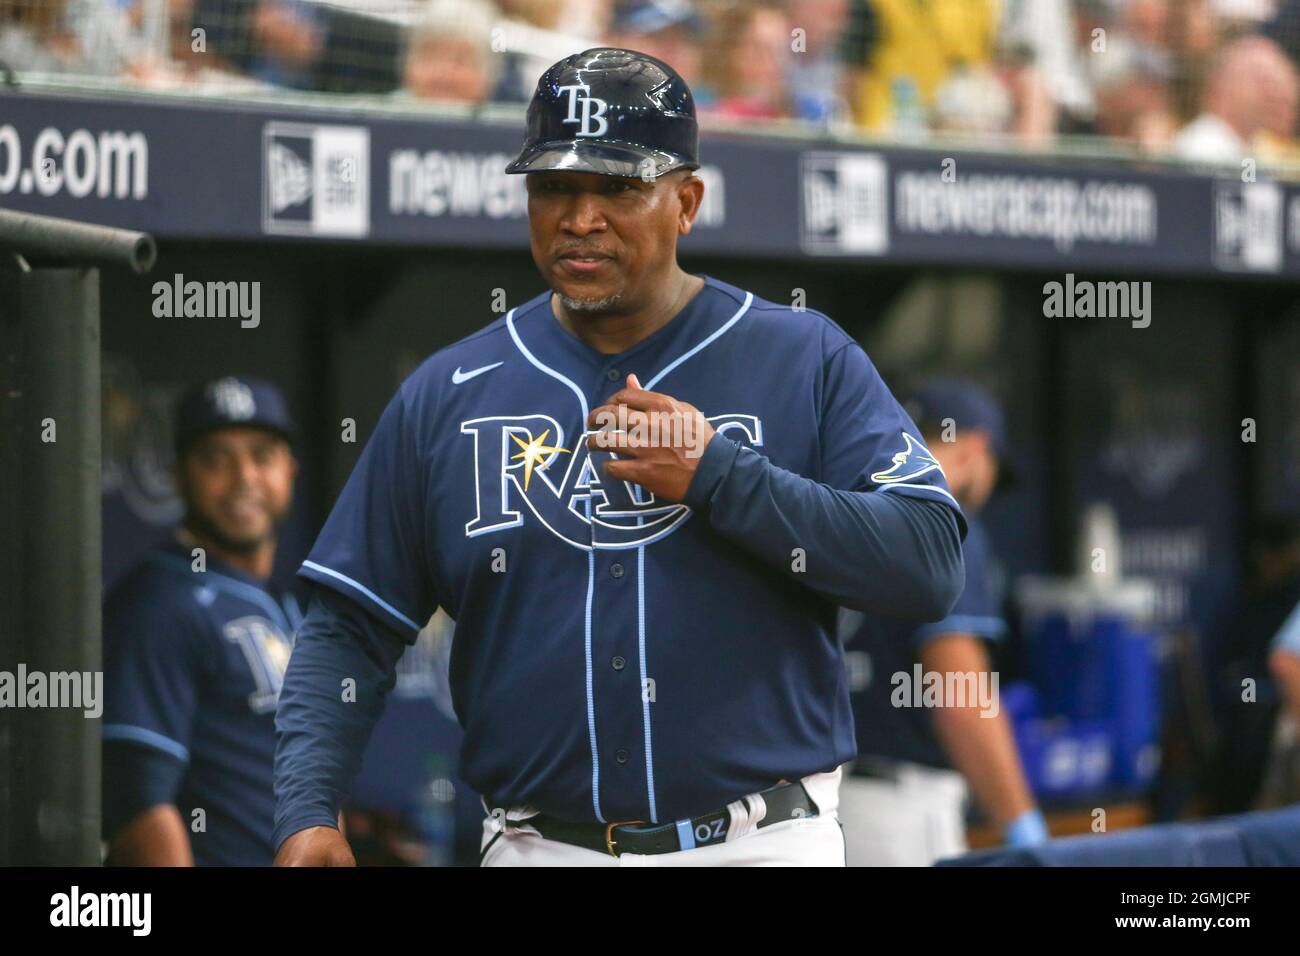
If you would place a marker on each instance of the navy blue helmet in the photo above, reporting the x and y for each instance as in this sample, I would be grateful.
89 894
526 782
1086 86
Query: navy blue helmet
613 112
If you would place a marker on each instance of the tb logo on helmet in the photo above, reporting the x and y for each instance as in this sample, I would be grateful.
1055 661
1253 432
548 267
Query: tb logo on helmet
593 110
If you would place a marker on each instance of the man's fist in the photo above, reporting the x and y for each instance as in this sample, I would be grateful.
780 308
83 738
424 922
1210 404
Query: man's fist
658 439
315 846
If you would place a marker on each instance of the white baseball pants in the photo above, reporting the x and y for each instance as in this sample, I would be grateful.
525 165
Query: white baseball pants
810 841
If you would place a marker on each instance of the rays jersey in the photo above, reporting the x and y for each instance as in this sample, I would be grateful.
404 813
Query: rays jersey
193 663
619 657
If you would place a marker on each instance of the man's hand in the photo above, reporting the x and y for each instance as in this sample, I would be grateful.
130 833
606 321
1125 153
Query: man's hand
659 439
315 846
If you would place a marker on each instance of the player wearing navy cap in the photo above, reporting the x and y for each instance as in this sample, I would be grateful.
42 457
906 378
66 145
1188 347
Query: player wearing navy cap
903 802
195 645
641 495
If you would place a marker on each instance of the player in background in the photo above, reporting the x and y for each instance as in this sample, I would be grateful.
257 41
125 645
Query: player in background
903 804
1264 619
195 645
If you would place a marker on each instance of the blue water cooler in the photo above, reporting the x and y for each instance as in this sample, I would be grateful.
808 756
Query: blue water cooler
1092 721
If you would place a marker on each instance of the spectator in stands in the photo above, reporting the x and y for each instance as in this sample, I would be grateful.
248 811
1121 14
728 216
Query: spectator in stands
1009 98
745 67
450 56
91 37
276 41
815 73
1252 91
1195 38
1244 15
915 48
580 18
1147 21
1284 28
973 102
33 37
667 29
1041 64
570 26
1133 84
288 37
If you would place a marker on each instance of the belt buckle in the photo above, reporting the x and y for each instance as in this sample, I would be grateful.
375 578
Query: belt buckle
609 833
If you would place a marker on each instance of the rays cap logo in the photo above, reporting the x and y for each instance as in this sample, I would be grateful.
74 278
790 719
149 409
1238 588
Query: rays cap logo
612 112
228 402
232 398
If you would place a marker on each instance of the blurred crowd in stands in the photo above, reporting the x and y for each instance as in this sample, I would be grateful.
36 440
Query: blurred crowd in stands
1207 80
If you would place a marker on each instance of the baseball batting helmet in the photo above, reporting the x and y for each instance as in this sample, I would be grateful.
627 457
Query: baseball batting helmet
613 112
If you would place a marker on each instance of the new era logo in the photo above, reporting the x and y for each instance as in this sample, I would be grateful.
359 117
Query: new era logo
1248 226
845 204
316 180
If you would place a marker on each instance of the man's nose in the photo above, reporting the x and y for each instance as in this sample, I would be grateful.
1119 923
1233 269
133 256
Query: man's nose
246 471
584 215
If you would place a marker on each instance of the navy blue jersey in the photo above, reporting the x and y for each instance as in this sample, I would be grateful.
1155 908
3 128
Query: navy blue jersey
878 648
193 664
616 656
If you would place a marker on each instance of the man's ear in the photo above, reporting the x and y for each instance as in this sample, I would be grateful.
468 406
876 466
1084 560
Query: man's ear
690 193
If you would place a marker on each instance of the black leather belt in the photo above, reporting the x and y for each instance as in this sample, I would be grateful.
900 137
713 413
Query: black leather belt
876 768
786 801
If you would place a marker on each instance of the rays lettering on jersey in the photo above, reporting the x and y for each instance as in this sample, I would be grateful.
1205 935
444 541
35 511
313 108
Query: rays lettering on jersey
267 652
522 467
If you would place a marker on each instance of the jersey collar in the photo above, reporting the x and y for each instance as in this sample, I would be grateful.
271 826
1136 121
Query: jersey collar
542 332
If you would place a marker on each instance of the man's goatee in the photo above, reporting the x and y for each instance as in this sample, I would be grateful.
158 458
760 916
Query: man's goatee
606 304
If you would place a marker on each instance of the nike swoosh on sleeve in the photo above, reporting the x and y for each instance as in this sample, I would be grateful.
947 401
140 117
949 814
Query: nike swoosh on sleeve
457 377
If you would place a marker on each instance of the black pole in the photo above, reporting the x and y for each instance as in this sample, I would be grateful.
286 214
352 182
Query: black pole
50 531
51 754
41 239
